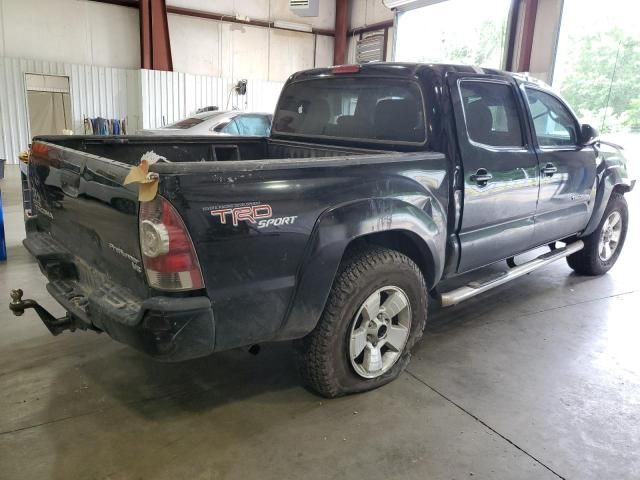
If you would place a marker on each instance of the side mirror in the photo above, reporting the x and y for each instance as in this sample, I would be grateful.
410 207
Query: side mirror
588 134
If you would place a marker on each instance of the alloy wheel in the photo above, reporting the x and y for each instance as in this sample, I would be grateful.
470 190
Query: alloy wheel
379 332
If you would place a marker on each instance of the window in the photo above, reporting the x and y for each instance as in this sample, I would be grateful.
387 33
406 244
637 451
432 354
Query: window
554 124
184 124
253 125
192 121
491 114
230 128
377 109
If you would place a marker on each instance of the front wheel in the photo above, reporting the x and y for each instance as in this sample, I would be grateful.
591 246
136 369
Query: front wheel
603 246
375 313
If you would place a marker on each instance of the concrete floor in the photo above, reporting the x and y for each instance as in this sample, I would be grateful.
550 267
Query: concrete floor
537 379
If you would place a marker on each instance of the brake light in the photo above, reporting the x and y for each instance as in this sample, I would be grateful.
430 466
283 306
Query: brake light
346 69
169 259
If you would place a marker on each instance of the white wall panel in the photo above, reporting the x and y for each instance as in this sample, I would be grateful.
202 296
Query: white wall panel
170 96
200 57
324 51
367 12
72 31
115 35
95 91
290 52
208 47
247 51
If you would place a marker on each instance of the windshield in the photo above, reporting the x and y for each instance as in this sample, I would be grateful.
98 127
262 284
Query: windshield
374 109
192 121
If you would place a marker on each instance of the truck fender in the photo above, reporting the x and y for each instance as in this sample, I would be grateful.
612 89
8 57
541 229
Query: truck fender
336 228
611 175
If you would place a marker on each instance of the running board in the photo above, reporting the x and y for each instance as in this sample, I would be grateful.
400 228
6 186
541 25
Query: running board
472 289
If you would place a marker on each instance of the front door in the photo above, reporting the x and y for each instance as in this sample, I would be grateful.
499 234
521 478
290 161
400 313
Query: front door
568 170
501 173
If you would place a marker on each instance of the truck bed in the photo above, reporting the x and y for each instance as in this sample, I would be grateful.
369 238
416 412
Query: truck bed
198 149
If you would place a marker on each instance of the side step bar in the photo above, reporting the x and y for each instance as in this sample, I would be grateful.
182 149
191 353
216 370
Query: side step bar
472 289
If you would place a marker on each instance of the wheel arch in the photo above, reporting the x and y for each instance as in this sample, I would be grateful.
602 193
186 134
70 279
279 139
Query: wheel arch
419 233
621 188
405 242
612 181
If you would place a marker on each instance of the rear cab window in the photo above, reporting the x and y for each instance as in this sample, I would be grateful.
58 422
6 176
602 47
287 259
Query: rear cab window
367 108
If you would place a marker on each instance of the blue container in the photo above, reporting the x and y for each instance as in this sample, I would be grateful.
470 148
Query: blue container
3 244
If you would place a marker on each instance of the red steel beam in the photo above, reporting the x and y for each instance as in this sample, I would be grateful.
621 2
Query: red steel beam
340 44
155 48
528 26
160 44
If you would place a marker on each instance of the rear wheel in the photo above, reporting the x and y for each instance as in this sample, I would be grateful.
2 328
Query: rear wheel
375 313
603 246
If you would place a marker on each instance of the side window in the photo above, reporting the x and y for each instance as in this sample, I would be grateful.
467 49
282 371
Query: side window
554 124
253 125
231 128
491 114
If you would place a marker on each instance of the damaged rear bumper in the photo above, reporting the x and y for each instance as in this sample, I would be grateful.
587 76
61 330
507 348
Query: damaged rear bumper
167 328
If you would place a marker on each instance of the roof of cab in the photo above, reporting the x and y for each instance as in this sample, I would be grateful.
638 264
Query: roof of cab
412 69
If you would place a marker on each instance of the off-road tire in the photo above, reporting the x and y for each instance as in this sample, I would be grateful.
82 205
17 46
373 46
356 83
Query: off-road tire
324 362
587 261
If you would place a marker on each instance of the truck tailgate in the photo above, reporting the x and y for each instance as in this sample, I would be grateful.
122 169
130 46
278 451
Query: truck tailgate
83 210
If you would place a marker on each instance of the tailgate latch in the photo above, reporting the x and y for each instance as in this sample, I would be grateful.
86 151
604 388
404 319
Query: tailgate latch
55 325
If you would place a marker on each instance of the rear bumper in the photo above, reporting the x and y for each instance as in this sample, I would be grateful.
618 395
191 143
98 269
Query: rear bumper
167 328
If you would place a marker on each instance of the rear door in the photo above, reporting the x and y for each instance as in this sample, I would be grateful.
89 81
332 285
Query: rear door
568 169
501 174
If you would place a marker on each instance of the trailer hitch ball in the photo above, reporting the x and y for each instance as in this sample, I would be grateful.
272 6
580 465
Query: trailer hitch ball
17 305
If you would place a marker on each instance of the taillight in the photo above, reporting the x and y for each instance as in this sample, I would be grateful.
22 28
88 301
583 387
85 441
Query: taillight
169 258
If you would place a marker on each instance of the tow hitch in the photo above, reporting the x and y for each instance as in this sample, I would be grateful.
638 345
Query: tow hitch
55 325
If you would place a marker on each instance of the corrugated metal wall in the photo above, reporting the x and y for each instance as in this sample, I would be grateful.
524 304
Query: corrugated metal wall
147 98
170 96
95 91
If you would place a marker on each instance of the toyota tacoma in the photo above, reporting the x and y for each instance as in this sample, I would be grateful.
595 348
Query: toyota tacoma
376 183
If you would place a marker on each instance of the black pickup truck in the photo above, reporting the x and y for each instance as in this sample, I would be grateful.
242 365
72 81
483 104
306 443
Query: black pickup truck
377 182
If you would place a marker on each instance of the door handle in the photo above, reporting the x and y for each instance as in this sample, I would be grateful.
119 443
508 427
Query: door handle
481 177
549 169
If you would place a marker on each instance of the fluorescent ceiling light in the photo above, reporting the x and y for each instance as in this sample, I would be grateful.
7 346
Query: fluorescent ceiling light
301 27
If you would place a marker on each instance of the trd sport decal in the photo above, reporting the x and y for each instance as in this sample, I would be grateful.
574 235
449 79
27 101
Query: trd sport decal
256 213
250 213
